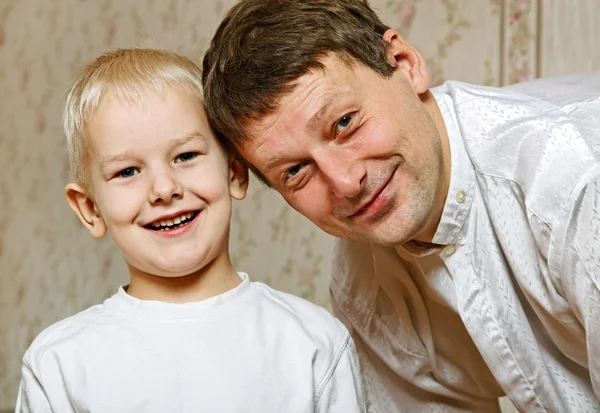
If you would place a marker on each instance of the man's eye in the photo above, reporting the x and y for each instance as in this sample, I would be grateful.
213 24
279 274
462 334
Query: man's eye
293 171
184 157
343 123
128 172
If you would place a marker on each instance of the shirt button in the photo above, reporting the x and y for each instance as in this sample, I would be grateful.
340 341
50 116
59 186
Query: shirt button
449 250
460 197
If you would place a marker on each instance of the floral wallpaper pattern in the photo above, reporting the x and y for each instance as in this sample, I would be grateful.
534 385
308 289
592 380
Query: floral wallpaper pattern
51 268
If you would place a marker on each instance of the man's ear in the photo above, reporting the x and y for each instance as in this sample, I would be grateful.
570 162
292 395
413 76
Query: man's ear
86 209
404 56
238 178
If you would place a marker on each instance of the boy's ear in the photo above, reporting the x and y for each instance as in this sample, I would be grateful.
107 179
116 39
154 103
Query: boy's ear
86 209
238 178
404 56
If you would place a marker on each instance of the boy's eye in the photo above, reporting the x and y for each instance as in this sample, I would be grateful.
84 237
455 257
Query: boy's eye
128 172
184 157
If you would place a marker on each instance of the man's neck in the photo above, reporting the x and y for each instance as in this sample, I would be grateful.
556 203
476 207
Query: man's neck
426 236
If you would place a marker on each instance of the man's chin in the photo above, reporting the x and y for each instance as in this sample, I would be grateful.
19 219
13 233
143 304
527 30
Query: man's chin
391 233
377 236
387 240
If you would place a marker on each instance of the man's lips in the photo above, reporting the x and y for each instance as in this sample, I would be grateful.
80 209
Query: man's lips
376 202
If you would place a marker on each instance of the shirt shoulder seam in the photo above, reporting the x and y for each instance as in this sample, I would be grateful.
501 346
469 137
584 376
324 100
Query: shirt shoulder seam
495 176
331 369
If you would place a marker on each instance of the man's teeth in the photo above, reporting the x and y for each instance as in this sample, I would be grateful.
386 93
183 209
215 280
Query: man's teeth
170 222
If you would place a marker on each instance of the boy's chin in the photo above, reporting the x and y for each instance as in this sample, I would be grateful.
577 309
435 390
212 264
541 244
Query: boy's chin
167 270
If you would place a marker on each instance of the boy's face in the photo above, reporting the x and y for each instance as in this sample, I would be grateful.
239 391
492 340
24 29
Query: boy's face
161 184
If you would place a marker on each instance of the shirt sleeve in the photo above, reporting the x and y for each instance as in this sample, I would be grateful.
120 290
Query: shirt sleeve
577 263
342 390
32 397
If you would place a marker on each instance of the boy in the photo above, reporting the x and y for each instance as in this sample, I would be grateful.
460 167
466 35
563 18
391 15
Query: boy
189 333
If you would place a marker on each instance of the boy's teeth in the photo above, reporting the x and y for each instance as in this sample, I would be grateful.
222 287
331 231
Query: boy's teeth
175 221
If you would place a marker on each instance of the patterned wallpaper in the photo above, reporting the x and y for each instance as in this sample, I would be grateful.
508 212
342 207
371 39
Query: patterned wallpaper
49 265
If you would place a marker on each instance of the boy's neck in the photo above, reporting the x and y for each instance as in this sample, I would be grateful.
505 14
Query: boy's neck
216 278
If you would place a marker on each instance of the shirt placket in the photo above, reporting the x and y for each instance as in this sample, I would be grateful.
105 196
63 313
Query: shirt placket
479 311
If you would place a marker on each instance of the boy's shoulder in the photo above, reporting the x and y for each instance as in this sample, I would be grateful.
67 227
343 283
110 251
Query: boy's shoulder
65 333
294 313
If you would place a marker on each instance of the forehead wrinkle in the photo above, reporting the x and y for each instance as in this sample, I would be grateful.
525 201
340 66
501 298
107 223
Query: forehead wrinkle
292 115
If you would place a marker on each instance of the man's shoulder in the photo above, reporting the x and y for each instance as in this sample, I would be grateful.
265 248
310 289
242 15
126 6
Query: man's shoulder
563 91
542 148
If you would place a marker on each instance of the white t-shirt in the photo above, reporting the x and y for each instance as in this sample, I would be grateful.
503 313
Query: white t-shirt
251 349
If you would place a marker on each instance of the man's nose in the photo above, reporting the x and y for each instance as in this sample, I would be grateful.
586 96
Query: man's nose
344 173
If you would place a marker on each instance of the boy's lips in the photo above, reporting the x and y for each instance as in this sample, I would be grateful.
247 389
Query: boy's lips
176 229
170 221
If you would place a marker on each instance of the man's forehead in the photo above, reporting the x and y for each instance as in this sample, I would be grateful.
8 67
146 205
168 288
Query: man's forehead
309 101
305 106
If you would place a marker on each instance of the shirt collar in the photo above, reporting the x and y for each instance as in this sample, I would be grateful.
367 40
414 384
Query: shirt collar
156 310
462 182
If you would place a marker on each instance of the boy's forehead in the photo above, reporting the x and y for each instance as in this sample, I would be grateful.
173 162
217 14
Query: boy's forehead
178 119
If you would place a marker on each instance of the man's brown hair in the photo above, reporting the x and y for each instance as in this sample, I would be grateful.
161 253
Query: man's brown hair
262 46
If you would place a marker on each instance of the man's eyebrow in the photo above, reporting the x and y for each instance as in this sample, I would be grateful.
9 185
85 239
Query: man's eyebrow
317 118
322 113
272 162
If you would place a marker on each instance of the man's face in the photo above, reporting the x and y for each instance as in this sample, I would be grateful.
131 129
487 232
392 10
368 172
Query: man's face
356 153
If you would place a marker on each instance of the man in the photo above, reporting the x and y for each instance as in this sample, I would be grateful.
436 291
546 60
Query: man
468 265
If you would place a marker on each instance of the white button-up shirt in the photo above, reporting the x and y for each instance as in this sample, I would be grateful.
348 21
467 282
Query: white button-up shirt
509 303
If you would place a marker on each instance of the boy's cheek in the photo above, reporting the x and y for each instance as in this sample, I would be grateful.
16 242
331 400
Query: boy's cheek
121 205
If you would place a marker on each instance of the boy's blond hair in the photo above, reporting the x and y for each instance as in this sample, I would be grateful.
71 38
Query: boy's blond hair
131 74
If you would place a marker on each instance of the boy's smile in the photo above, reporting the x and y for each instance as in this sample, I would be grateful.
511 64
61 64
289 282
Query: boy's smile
172 221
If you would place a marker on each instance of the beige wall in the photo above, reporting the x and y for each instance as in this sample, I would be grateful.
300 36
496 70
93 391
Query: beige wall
51 268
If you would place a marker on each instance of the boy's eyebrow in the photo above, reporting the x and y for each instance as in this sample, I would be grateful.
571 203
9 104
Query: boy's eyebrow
189 137
115 158
176 142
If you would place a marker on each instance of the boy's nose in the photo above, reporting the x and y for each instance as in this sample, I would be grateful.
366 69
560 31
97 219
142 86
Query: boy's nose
165 190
